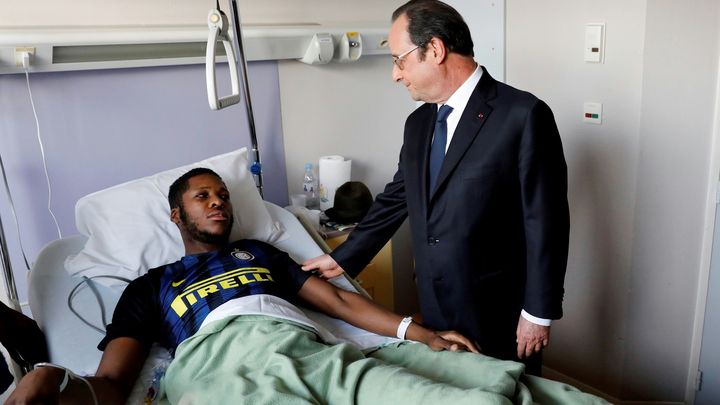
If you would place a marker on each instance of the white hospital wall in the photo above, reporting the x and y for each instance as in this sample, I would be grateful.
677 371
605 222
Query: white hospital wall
545 57
354 110
676 124
638 182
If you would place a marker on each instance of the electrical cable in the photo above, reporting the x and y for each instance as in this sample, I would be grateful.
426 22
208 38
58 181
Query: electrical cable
26 57
98 298
72 376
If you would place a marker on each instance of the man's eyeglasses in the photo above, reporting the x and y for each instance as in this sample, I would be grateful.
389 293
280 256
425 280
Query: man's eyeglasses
399 60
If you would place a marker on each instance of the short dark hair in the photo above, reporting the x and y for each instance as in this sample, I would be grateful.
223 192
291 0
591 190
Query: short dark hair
180 186
432 18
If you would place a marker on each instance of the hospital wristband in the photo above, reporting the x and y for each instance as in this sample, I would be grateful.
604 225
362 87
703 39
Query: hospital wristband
403 327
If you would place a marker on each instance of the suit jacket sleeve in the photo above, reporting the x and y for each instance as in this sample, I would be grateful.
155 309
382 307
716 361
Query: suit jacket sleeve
543 182
385 216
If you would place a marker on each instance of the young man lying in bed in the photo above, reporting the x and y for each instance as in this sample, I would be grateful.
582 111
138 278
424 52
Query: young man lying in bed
260 359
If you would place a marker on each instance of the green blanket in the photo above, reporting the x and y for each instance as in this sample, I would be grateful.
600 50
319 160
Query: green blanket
263 360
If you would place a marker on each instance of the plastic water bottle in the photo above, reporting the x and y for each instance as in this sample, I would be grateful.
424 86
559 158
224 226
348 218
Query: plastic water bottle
310 188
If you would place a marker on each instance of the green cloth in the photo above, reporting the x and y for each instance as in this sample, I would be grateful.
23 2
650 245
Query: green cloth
263 360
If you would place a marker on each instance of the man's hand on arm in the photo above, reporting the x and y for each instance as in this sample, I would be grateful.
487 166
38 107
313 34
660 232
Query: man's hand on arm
325 265
531 337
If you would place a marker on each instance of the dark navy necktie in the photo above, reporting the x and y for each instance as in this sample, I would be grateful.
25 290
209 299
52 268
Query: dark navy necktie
437 150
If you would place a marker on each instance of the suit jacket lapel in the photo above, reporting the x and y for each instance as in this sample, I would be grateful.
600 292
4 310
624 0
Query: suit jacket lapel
474 116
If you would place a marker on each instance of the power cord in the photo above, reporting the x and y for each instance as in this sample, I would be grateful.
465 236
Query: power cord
91 285
26 64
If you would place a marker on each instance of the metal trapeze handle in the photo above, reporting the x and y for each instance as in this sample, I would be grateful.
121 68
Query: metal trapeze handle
218 24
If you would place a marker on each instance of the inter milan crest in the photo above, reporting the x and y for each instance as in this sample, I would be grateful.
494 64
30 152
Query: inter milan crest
242 255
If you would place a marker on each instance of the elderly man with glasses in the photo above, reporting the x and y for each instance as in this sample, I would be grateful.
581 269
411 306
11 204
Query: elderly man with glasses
483 180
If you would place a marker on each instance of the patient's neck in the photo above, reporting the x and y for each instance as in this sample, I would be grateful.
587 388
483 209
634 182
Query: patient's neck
193 247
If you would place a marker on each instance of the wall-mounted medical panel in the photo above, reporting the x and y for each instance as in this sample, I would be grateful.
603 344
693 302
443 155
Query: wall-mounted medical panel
85 48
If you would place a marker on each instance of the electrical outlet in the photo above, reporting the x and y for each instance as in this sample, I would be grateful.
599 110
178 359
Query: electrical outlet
19 53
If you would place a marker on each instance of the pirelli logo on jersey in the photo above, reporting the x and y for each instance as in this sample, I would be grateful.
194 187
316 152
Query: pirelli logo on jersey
231 279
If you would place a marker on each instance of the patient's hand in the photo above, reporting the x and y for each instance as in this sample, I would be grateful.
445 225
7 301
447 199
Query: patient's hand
40 386
325 265
452 341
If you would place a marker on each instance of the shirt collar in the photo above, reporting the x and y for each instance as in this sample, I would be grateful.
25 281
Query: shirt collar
459 99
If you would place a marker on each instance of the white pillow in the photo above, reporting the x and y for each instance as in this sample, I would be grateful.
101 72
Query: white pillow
129 229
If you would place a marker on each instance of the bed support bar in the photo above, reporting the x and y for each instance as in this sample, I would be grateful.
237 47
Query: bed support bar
9 279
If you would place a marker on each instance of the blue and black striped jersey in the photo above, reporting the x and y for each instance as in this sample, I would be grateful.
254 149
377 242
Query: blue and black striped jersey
169 303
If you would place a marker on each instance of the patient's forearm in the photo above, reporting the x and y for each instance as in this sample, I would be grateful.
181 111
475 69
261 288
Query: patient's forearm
78 392
370 316
106 392
359 311
43 386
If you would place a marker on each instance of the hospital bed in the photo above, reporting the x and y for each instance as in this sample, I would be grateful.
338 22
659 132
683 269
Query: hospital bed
72 309
126 230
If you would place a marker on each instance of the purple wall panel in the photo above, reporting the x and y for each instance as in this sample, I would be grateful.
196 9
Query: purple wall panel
104 127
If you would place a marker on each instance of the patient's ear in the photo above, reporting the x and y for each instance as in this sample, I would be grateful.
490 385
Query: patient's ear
175 215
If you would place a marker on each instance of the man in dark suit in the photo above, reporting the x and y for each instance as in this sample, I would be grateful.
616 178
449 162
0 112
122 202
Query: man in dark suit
489 219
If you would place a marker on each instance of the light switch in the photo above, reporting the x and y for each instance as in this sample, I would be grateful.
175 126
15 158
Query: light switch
592 113
595 42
